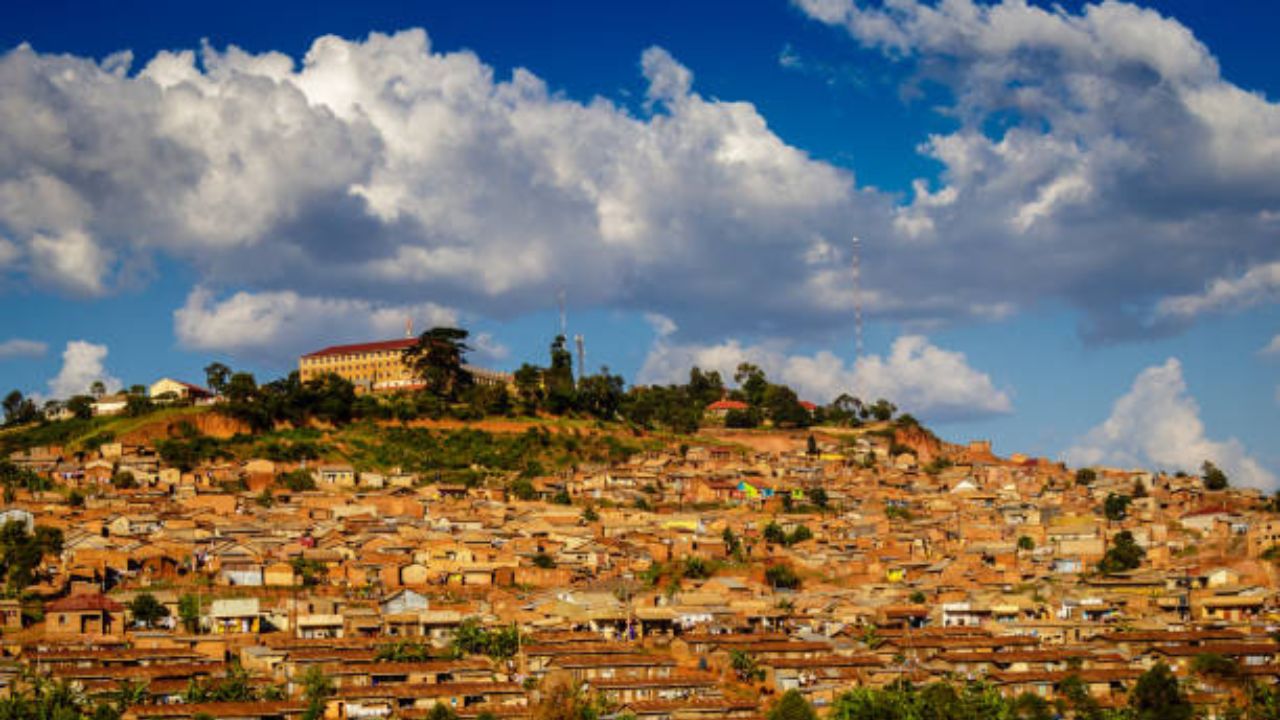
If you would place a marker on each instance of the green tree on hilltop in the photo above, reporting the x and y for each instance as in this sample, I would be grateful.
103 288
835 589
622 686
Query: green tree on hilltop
437 358
1214 478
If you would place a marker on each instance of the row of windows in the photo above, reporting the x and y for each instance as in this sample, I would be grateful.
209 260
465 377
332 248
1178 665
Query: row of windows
332 359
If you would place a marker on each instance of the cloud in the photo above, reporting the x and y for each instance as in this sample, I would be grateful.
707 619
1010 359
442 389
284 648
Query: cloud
1259 284
82 365
919 377
72 262
279 326
1273 347
8 252
383 168
1088 142
487 348
380 169
17 347
1157 423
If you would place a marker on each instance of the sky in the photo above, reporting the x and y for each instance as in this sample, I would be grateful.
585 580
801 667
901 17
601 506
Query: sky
1066 214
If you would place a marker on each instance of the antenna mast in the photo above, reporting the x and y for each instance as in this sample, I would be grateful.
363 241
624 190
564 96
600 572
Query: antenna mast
560 299
582 355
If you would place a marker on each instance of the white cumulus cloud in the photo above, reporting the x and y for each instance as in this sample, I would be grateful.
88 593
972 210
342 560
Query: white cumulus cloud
281 325
1089 142
82 365
1157 424
1257 285
1273 347
918 376
18 347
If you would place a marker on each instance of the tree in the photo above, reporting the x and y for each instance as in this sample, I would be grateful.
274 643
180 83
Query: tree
745 666
437 358
297 480
811 446
543 560
317 687
1124 554
792 706
98 388
216 375
146 610
528 380
705 387
21 553
565 700
751 380
774 534
743 419
1214 478
732 545
1086 476
1157 696
189 612
19 409
309 569
1116 507
440 711
1026 543
799 535
472 639
1215 667
557 381
242 388
882 410
80 406
845 410
783 407
695 568
601 395
782 576
403 651
818 496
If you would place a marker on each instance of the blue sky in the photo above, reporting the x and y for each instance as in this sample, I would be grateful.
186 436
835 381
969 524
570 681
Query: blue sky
1052 204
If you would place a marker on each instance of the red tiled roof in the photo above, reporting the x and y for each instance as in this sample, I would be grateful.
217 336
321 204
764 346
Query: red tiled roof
358 348
84 603
727 405
194 388
808 405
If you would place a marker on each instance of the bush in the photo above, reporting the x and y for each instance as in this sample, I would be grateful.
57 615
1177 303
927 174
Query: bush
297 480
782 576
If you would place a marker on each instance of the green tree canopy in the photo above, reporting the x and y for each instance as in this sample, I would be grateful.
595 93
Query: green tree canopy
437 357
1157 696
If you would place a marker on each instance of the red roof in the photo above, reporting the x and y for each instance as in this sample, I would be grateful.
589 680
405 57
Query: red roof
194 388
84 603
727 405
359 348
808 405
